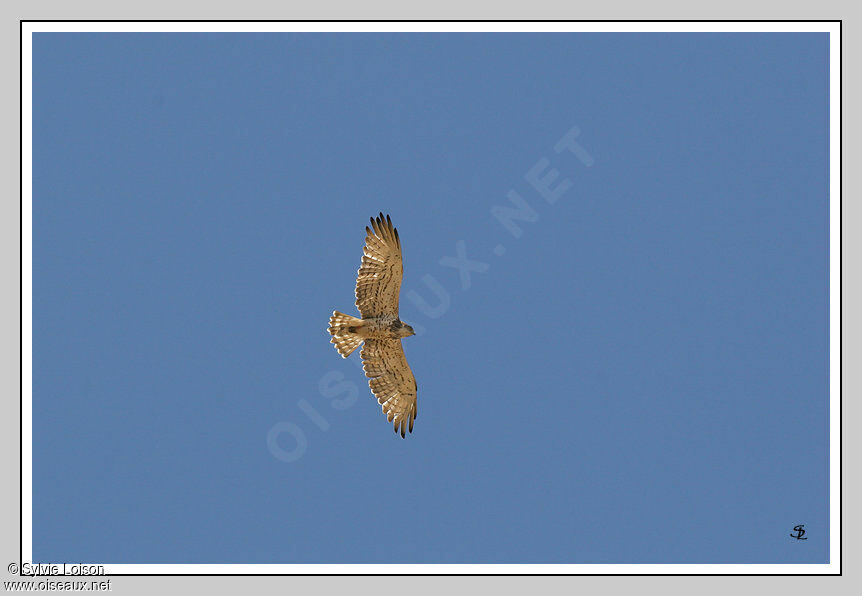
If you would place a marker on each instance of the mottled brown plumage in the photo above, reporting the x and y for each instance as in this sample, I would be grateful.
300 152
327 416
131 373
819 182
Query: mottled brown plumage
378 285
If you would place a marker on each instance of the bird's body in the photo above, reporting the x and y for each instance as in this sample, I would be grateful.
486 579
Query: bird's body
378 285
382 327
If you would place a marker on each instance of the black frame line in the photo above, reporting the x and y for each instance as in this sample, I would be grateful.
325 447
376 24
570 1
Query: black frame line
840 286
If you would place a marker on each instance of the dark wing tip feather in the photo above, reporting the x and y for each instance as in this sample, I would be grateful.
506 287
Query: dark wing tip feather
382 227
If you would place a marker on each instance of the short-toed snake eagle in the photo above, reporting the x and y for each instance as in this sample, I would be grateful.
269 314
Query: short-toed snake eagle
377 287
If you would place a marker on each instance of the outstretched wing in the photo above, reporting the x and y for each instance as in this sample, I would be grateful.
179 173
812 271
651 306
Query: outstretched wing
392 381
379 280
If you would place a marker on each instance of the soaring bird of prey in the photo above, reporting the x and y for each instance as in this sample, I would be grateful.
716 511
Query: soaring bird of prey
377 287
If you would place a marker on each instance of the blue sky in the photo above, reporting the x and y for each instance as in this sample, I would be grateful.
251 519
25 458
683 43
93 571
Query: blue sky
640 377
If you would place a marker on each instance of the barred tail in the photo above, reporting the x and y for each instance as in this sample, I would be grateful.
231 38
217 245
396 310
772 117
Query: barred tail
342 328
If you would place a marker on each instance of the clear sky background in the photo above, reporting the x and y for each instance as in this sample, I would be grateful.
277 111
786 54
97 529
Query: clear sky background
641 377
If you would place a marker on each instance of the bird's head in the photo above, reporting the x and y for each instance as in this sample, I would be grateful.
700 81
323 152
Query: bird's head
406 330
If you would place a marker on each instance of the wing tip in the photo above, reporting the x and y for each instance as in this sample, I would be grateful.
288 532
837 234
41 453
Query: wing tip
381 226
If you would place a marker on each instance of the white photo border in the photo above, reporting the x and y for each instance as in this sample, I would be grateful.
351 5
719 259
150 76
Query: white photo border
833 28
